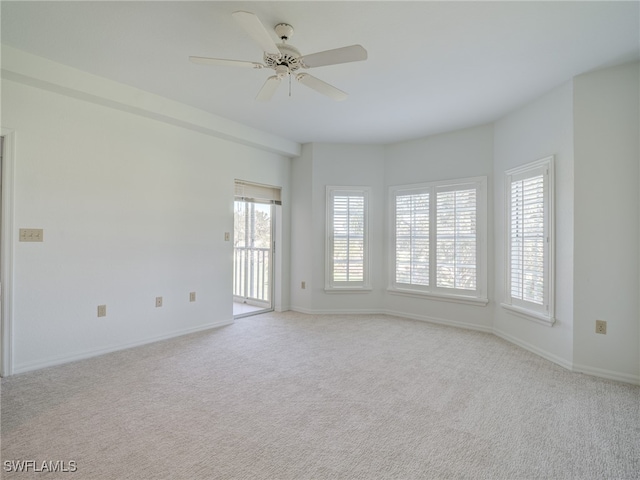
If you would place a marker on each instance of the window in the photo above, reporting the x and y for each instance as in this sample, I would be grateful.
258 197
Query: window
529 240
412 238
439 239
347 255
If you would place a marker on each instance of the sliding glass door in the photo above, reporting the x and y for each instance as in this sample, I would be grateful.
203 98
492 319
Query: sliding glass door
252 257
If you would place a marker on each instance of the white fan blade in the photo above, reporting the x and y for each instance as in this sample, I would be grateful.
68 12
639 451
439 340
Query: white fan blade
224 63
321 87
253 26
268 89
354 53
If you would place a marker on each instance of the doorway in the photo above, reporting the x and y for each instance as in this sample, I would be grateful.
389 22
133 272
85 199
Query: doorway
253 249
3 332
7 155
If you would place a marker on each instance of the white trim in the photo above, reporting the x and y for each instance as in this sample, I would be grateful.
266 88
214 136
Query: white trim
393 313
59 360
354 311
568 364
529 314
480 184
347 287
608 374
279 284
7 253
544 314
439 296
348 290
440 321
306 311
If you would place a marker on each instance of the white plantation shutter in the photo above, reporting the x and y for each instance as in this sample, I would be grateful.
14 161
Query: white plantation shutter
412 239
348 238
347 242
456 239
529 285
439 239
527 239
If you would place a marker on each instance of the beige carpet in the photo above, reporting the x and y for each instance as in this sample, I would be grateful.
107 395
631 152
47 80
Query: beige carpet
292 396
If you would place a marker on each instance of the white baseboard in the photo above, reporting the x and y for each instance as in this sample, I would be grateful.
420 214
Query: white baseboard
306 311
608 374
423 318
336 312
440 321
568 364
59 360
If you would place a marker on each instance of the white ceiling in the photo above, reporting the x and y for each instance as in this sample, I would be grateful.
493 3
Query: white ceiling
432 66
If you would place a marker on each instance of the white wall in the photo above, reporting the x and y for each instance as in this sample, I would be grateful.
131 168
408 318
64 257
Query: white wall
303 243
541 128
606 106
456 155
132 208
342 165
460 154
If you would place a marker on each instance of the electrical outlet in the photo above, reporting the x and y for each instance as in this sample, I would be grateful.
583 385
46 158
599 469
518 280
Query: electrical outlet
192 296
601 327
31 235
303 285
102 310
158 301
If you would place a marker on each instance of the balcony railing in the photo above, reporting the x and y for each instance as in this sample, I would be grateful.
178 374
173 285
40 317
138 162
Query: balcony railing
251 275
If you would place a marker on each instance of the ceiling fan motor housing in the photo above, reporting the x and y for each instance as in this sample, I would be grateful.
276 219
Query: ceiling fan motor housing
284 31
289 57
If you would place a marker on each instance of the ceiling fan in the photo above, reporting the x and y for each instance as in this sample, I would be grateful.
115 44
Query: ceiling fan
285 59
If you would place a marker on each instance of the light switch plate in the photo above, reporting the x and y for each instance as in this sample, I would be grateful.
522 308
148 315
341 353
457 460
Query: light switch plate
31 235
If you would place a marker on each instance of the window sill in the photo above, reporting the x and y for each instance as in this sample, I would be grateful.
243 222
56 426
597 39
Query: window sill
530 315
348 289
440 296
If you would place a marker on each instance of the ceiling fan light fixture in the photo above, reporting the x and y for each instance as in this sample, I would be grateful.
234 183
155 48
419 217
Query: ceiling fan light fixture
282 71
